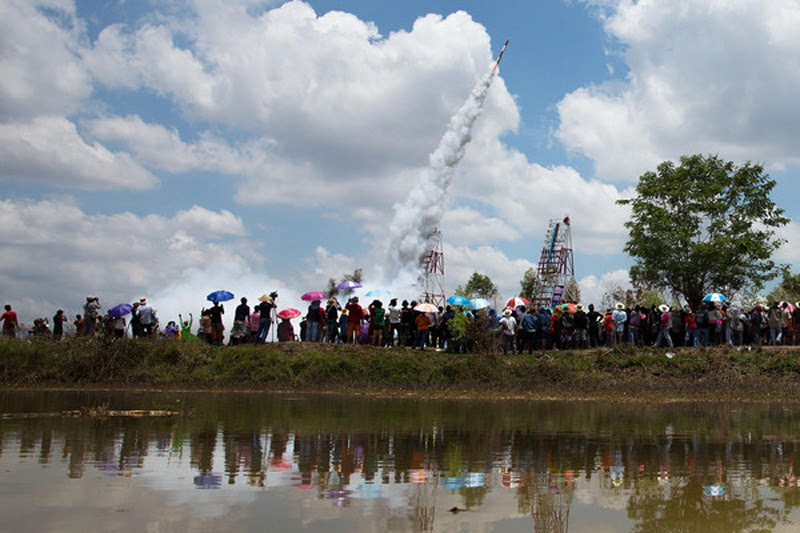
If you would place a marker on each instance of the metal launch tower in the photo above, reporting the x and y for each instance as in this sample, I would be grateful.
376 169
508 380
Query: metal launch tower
432 267
556 264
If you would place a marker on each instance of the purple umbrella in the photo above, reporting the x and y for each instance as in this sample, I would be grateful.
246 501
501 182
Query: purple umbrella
120 310
347 285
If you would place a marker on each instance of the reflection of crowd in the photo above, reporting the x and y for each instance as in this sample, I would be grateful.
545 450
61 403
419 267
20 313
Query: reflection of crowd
643 460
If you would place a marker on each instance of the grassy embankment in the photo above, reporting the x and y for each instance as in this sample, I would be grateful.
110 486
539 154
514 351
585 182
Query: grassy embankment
624 372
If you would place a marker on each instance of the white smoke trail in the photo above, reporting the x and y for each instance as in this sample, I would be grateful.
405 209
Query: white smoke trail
416 219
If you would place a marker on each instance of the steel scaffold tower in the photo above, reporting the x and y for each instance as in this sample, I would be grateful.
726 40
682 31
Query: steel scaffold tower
432 266
556 263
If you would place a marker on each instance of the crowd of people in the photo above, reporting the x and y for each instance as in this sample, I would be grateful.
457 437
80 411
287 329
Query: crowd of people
515 330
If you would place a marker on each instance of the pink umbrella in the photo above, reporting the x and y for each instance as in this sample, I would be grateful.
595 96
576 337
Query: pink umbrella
289 313
516 301
313 295
790 307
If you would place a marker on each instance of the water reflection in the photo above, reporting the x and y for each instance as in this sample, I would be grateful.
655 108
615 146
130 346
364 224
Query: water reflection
422 464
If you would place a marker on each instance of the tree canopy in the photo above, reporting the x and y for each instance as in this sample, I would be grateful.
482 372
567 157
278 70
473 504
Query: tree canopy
479 286
705 225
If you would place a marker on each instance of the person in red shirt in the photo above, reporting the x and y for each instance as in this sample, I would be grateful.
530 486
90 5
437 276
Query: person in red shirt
10 323
354 316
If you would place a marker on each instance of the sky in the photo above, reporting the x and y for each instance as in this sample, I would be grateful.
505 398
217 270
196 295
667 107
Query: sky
170 148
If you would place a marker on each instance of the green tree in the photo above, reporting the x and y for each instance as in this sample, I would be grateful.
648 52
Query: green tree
332 283
787 290
702 226
479 286
528 283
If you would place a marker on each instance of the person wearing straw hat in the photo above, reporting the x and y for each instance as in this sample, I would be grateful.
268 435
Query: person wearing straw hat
265 309
508 330
665 322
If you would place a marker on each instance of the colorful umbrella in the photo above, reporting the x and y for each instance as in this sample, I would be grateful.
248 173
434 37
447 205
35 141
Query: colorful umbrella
426 308
569 308
120 310
220 296
347 285
313 295
463 301
289 313
480 303
378 292
715 297
515 302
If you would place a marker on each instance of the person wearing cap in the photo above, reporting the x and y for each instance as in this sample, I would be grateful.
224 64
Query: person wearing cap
145 314
665 323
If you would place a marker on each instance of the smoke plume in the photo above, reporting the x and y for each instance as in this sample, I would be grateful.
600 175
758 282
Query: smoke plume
417 218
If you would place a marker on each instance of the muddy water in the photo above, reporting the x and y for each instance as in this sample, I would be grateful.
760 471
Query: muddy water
258 462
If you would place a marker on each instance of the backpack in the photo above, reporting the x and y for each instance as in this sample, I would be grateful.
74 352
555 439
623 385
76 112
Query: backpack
701 318
567 320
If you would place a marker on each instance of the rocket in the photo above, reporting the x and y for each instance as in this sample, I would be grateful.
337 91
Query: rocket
500 56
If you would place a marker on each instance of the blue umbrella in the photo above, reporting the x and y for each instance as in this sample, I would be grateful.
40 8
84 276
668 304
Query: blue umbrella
480 303
220 296
715 297
463 301
120 310
347 285
378 292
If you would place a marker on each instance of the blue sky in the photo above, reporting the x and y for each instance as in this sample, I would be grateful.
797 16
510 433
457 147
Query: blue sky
163 148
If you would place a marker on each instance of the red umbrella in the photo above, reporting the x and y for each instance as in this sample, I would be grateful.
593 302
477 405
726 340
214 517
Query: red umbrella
313 295
289 313
516 301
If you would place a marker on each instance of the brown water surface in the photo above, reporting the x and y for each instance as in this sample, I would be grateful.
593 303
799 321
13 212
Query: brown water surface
263 462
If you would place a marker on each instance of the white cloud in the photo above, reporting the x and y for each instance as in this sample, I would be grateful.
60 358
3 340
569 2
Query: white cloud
528 195
789 252
40 68
162 148
50 150
52 253
330 110
705 77
465 226
506 273
593 288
